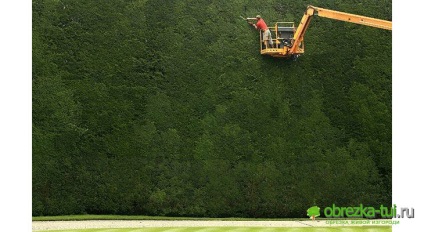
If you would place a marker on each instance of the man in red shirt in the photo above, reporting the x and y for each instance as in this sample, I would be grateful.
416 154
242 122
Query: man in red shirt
261 25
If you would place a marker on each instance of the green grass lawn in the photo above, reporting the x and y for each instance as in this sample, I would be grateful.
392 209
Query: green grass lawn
241 229
142 217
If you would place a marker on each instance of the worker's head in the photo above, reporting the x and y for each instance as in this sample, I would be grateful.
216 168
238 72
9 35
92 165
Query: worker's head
258 17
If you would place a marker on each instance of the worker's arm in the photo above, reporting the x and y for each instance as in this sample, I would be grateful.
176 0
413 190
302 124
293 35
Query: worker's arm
251 23
254 25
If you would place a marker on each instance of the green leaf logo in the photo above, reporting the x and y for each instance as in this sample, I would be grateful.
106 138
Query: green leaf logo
313 212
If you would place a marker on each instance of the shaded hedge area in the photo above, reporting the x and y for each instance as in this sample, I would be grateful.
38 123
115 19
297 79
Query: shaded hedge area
159 107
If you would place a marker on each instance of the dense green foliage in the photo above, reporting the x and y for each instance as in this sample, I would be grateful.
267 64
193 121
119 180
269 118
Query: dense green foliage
159 107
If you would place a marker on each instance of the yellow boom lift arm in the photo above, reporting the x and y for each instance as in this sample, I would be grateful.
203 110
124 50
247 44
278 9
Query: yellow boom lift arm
289 40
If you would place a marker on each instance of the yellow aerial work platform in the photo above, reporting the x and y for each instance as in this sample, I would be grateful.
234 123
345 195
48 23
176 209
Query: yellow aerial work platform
283 34
288 39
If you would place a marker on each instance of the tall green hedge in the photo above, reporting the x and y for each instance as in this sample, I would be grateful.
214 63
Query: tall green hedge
162 107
